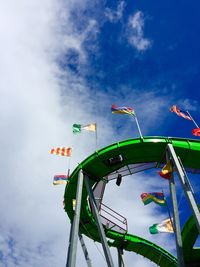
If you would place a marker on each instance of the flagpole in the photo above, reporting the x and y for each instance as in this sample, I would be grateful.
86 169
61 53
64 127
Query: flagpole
138 126
68 171
96 137
192 119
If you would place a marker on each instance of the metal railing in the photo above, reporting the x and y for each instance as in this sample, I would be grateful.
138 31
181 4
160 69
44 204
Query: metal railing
112 219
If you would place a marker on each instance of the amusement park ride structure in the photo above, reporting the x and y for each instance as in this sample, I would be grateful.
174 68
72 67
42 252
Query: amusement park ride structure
88 215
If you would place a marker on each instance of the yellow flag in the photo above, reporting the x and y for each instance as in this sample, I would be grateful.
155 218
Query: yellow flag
167 171
90 127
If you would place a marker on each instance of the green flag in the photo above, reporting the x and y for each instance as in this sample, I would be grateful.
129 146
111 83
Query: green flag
163 227
76 128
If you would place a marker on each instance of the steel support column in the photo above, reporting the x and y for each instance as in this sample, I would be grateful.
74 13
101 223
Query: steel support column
120 260
72 250
176 223
186 186
98 222
85 252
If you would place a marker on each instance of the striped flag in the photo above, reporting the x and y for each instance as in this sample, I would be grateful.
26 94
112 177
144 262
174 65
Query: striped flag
157 197
163 227
61 151
77 128
89 127
60 179
181 113
122 110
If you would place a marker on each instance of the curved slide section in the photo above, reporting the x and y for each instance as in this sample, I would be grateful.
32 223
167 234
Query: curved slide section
132 151
143 247
189 236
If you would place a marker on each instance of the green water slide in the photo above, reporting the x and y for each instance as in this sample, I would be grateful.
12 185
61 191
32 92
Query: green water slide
125 155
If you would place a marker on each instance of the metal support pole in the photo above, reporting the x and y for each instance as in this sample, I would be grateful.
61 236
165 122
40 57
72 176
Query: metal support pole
186 186
138 126
69 243
99 224
71 257
85 252
176 220
192 119
120 252
176 223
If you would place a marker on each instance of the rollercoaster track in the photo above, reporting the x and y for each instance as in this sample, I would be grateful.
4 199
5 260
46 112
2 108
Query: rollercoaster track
133 151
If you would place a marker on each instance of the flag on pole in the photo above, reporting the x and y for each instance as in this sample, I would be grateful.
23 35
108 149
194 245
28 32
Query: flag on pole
166 171
60 179
196 132
163 227
77 128
90 127
127 110
122 110
181 113
157 197
61 151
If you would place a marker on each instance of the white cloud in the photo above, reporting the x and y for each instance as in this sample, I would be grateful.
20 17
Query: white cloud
135 32
75 40
115 15
187 104
39 104
35 117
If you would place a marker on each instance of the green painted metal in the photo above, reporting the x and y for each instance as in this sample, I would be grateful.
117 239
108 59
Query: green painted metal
189 236
148 149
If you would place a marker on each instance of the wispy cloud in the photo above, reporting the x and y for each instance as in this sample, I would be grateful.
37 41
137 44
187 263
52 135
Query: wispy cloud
115 15
39 103
135 32
188 104
75 40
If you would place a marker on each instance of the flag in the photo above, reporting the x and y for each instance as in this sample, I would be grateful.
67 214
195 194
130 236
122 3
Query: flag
163 227
166 171
196 132
181 113
90 127
62 151
157 197
122 110
60 179
77 128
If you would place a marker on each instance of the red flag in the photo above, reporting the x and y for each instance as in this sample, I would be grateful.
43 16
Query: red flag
181 113
165 175
196 132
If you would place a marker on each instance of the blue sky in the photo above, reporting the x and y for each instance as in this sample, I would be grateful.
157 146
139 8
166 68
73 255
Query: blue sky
140 48
65 62
159 49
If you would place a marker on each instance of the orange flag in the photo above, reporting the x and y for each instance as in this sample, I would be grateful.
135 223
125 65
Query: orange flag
62 151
